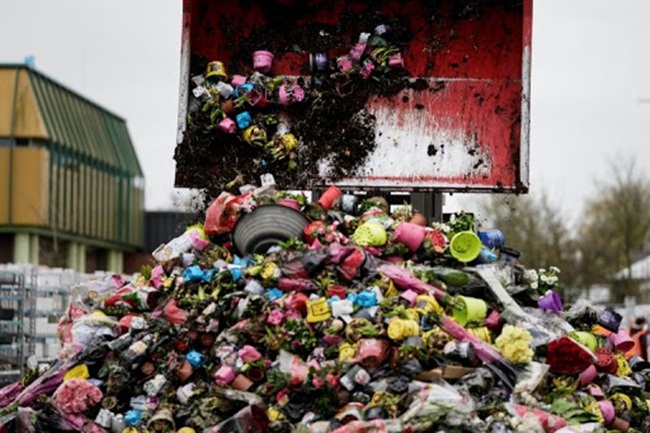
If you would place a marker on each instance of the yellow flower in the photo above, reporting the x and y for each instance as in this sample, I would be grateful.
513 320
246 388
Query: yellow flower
514 345
269 271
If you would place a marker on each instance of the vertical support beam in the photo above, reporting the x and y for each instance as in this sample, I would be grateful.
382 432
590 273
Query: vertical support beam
115 261
21 248
73 255
428 203
81 258
34 249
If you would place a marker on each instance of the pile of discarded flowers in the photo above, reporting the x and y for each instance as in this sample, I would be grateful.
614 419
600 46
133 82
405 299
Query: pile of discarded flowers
336 316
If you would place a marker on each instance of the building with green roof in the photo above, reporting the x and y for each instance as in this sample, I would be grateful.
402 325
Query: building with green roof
71 185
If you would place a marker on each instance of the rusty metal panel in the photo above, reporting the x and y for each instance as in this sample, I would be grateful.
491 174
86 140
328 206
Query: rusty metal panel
463 124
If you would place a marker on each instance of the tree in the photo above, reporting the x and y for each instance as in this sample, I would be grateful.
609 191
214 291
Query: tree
536 228
615 230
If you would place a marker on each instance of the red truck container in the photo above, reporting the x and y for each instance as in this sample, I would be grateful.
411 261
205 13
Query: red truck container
460 124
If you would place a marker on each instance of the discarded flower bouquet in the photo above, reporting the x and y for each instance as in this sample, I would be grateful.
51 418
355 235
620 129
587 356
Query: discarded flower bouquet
282 315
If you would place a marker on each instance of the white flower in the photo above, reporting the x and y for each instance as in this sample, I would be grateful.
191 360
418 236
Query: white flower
545 279
555 269
552 280
530 275
542 271
533 285
442 227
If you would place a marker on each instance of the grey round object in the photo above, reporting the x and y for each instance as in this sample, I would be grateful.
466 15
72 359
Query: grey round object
267 226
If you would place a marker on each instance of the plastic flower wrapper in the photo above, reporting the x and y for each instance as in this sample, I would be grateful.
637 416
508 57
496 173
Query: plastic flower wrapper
514 345
8 392
433 402
406 280
252 418
505 370
373 426
44 384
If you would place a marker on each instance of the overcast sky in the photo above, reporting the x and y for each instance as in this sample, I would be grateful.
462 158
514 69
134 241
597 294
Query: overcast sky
591 66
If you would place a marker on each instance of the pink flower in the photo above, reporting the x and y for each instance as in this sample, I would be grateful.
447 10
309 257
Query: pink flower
366 71
249 353
276 317
76 395
344 64
333 380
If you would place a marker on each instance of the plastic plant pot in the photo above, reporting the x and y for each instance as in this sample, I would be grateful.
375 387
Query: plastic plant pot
262 61
492 238
267 226
344 64
621 340
465 246
290 203
370 234
237 80
637 363
329 197
228 125
469 310
608 411
396 61
411 235
215 72
290 93
585 338
588 376
243 120
256 99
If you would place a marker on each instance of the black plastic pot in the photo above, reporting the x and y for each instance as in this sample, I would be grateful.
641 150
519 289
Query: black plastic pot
267 226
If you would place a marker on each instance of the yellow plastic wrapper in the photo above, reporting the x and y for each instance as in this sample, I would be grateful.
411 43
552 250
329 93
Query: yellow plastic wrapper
78 372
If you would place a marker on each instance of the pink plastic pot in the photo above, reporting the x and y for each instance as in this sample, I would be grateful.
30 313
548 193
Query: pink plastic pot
262 61
588 376
621 340
396 61
290 93
492 321
410 296
344 64
608 411
289 202
228 125
372 352
596 392
411 235
238 80
224 375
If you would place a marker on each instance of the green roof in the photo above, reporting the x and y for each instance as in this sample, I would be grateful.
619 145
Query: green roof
83 126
